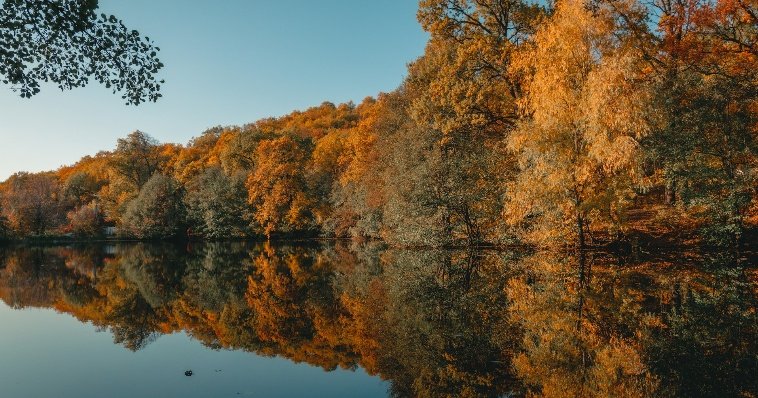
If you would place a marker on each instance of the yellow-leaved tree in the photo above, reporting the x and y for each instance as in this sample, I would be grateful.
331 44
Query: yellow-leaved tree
583 114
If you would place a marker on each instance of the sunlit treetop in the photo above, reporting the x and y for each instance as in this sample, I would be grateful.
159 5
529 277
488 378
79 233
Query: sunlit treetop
67 43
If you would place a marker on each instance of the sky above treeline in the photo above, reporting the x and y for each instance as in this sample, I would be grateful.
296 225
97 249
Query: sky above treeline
227 63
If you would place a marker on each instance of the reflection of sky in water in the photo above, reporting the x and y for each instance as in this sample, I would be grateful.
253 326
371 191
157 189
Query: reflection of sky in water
46 354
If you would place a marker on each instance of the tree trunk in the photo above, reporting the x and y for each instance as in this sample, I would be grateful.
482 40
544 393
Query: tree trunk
580 230
670 194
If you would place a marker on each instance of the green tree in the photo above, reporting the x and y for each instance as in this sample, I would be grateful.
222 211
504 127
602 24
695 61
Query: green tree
157 212
461 104
436 166
216 204
67 43
707 85
708 149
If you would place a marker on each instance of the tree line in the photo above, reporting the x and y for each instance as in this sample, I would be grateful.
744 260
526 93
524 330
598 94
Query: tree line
568 123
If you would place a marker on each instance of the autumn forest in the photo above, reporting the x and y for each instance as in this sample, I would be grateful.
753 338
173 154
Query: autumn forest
560 199
558 125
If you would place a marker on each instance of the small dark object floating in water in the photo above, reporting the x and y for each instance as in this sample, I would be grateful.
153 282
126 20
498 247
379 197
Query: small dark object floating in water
188 373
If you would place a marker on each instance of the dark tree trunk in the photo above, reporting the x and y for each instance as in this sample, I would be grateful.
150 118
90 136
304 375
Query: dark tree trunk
670 194
580 227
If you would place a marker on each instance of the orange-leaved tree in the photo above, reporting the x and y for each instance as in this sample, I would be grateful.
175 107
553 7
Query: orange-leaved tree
584 111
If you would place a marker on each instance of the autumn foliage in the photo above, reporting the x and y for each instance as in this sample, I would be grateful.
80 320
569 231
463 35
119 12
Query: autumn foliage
573 123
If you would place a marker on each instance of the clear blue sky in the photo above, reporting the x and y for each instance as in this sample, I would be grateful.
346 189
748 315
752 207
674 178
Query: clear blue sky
227 62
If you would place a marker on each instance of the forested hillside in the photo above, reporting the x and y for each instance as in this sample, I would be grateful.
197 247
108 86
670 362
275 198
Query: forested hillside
582 123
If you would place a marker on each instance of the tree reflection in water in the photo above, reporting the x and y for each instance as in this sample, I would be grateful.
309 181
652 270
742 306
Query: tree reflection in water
432 322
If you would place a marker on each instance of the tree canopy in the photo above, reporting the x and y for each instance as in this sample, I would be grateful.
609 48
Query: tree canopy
67 43
567 125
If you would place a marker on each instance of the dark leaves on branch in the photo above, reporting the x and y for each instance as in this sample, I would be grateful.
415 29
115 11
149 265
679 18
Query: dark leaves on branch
65 42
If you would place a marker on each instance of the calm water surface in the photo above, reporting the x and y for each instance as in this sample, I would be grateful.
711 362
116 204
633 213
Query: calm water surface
359 320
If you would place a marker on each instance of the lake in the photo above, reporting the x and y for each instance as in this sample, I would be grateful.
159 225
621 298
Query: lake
347 320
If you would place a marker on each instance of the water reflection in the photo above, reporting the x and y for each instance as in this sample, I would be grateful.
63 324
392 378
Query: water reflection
432 323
